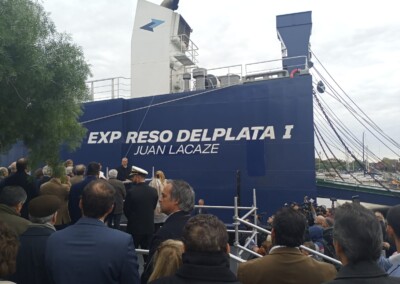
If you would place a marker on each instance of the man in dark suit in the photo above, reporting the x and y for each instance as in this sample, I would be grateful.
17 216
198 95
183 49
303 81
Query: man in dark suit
123 170
90 252
357 238
22 179
30 260
177 201
140 202
285 263
92 173
200 209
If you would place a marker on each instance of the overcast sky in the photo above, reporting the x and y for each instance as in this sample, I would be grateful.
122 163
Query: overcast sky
358 42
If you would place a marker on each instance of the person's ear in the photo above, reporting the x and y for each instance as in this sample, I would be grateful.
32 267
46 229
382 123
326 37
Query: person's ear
110 210
18 207
54 218
389 230
339 252
228 248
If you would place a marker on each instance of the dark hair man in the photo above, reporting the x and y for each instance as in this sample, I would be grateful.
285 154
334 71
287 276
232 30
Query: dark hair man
357 238
177 201
12 199
393 230
23 179
89 251
92 173
285 263
205 258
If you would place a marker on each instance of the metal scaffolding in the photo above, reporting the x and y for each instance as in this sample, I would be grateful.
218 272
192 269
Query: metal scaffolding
254 232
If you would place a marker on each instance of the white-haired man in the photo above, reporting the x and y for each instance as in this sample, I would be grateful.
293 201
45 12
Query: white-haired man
114 218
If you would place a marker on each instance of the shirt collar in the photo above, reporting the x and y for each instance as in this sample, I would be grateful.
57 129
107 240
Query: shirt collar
277 246
47 225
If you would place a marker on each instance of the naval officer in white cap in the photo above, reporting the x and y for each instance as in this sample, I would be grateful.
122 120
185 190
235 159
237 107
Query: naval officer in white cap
140 202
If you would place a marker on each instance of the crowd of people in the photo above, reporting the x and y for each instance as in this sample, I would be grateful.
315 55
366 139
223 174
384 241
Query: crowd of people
63 225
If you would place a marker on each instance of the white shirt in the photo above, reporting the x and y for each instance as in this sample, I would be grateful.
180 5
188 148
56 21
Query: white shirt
394 270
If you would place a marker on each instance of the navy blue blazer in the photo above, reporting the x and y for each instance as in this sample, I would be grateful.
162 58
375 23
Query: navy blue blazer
30 260
90 252
75 195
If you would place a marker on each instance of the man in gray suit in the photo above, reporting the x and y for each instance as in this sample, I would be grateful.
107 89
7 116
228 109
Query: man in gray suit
114 219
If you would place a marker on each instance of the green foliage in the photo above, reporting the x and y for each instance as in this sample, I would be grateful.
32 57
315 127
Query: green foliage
42 83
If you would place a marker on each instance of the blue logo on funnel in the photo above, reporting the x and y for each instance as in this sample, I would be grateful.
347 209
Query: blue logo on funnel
153 24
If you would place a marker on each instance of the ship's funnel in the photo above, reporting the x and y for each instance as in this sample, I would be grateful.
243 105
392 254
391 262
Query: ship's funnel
161 48
294 32
170 4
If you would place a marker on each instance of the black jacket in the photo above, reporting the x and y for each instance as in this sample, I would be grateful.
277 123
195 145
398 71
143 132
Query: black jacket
75 195
22 179
140 202
31 255
363 272
172 229
123 173
202 267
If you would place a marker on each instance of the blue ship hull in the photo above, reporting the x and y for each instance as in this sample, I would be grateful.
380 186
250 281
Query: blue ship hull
263 130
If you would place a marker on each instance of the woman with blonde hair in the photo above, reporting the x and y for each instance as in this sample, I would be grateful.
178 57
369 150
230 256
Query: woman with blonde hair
159 217
161 176
167 259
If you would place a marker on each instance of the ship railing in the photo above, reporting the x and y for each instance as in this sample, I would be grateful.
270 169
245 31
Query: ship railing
119 87
214 78
272 69
109 88
227 75
186 46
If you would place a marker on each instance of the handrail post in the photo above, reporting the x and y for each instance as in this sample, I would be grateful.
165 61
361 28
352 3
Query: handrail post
112 89
255 215
118 87
235 217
